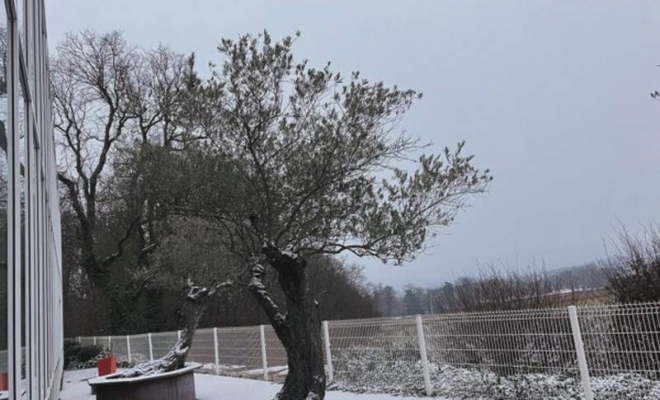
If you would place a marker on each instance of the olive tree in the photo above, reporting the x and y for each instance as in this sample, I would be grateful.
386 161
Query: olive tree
302 162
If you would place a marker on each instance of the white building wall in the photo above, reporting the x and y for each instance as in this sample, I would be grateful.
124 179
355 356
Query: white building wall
31 294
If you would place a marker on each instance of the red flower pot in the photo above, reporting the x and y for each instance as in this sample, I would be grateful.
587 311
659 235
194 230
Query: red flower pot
4 381
107 366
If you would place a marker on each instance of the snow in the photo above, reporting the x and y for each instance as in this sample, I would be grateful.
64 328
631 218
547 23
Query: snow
379 370
211 387
75 385
270 370
121 376
402 381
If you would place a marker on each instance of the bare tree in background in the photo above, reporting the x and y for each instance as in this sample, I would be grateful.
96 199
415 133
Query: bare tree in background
633 272
108 96
497 289
634 269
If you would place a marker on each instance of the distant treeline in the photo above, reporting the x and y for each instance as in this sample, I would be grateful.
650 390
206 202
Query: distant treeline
497 288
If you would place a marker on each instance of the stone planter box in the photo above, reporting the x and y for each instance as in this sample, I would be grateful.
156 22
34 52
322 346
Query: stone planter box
175 385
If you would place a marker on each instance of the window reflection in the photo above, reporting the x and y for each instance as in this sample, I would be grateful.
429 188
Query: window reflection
3 201
23 184
35 307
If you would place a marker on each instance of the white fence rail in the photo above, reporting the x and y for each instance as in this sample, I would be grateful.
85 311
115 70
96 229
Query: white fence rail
597 352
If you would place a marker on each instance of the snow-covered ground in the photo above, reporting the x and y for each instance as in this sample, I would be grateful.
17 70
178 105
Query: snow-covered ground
211 387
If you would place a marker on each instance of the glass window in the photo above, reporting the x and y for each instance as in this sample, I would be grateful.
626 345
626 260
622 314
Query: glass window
31 32
23 184
4 192
20 17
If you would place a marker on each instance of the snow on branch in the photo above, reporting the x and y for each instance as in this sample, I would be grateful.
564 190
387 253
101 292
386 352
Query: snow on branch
258 290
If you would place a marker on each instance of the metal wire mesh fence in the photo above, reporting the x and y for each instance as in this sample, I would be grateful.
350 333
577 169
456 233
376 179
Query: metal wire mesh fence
595 352
622 339
202 350
508 343
162 342
240 347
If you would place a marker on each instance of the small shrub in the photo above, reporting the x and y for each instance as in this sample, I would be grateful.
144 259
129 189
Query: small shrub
71 351
89 353
634 271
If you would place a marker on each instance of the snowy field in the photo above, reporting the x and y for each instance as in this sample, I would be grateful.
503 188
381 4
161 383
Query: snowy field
210 387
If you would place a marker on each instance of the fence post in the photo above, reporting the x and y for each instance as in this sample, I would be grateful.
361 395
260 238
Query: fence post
94 340
178 335
264 360
217 352
579 349
128 347
422 352
151 347
328 353
109 342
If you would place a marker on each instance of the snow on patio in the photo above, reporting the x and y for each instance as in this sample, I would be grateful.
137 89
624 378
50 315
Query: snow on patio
211 387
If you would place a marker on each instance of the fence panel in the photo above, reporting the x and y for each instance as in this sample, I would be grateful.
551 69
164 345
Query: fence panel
103 341
202 350
528 353
622 339
508 343
274 350
119 347
240 349
382 352
140 348
163 342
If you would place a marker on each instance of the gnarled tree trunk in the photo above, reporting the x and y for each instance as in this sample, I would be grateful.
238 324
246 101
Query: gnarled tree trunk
196 302
299 329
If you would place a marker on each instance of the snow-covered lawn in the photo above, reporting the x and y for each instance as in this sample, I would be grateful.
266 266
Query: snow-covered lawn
211 387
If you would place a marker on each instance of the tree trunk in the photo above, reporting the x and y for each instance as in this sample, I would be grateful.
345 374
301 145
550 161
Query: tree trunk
304 350
196 302
299 329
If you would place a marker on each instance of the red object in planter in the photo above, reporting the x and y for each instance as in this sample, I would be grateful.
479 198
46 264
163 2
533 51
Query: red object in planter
4 381
107 366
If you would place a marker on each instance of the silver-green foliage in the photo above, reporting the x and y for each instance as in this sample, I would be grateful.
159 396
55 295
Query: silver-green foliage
313 162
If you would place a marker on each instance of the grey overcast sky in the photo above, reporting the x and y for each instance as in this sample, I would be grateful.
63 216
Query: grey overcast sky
552 95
